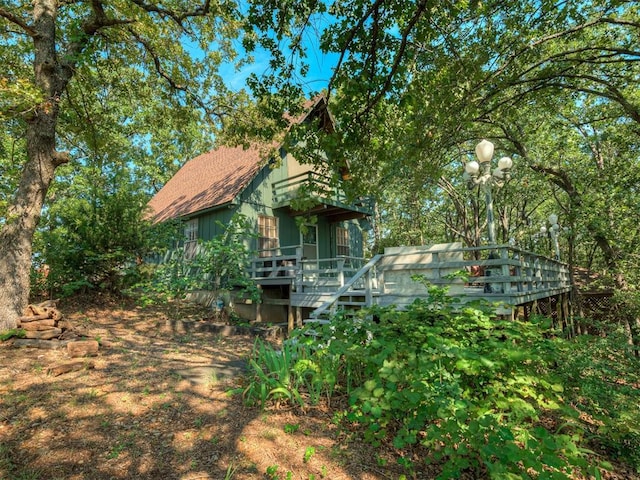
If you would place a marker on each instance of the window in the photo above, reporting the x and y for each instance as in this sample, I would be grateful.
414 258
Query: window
342 241
267 235
190 238
309 239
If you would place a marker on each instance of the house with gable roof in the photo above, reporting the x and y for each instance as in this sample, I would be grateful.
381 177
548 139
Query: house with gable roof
211 188
307 271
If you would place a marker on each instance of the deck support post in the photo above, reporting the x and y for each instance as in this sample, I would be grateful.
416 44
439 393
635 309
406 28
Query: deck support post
290 324
340 265
559 314
567 315
259 306
299 317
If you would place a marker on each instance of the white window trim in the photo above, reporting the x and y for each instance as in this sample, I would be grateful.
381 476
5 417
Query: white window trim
272 242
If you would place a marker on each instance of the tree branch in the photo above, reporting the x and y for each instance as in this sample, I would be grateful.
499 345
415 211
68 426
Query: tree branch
172 83
60 158
557 35
352 34
90 27
178 18
565 56
561 179
617 21
20 22
420 9
611 92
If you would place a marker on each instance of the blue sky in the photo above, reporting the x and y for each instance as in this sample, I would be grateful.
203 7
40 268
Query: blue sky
320 65
320 71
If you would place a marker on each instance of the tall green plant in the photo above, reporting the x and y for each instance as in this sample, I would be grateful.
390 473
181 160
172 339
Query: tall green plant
600 373
471 388
297 373
94 237
219 264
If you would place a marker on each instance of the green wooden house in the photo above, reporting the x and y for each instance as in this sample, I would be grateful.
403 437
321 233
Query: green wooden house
211 188
306 271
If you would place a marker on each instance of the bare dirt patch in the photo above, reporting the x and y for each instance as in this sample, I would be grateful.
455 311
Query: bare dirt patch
157 405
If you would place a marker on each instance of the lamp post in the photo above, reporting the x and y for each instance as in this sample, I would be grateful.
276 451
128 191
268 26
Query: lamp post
481 174
554 228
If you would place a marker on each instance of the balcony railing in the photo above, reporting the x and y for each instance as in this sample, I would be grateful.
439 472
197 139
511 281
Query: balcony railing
318 187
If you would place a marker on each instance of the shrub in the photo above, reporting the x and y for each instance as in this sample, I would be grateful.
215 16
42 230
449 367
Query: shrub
600 374
91 238
219 264
479 393
293 374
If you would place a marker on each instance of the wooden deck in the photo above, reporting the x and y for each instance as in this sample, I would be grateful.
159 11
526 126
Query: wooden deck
502 274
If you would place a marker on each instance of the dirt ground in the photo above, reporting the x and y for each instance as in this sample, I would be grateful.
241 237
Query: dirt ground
157 405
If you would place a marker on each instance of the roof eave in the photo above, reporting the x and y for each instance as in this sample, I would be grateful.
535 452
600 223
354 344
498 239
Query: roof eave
188 216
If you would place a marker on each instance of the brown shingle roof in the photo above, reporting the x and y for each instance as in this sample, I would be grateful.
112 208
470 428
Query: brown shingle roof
211 179
214 178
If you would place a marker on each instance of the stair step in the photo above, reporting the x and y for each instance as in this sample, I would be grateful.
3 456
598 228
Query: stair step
317 321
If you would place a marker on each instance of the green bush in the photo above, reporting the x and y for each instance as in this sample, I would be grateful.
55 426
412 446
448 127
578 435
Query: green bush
219 264
600 374
294 373
479 393
92 238
471 388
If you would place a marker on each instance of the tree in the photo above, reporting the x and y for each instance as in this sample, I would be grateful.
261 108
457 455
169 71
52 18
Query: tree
93 232
46 44
416 86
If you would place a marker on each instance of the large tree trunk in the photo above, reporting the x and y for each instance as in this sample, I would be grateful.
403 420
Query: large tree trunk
16 235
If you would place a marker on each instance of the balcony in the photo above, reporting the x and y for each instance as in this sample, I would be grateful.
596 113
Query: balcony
320 197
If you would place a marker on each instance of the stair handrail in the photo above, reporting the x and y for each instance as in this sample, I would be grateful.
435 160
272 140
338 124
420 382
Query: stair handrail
341 291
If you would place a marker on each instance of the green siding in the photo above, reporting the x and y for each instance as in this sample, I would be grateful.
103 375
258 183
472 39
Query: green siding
356 238
289 232
257 199
208 226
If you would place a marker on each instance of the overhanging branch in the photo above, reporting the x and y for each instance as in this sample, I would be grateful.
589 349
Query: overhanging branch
20 22
404 39
169 79
177 17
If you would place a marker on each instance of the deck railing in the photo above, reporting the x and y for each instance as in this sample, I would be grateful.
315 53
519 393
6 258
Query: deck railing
314 183
276 263
286 265
319 186
501 273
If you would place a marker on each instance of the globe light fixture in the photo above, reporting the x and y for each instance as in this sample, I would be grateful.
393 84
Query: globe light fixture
553 231
480 174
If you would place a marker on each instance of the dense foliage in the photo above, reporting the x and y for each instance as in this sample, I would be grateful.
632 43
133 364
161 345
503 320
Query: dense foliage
553 85
216 265
497 398
71 71
94 238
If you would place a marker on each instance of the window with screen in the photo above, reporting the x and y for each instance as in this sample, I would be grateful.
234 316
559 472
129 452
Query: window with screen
267 235
342 241
190 238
